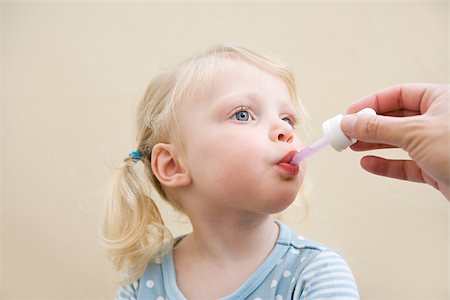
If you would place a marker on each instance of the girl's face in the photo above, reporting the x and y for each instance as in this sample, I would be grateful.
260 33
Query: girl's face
238 140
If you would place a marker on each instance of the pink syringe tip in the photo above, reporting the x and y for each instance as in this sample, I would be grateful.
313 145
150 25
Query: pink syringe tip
301 155
308 151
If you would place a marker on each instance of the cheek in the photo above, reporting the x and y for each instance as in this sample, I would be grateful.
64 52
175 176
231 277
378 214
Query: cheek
238 160
237 175
236 146
231 159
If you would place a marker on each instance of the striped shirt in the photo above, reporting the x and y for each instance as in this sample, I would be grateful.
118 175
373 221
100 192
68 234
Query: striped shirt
297 268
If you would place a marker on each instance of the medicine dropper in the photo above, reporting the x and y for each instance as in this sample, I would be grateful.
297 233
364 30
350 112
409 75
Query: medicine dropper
333 136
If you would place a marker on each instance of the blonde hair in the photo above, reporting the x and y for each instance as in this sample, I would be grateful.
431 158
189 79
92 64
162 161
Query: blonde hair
133 230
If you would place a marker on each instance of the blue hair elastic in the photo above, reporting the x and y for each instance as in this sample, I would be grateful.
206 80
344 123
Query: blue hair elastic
135 155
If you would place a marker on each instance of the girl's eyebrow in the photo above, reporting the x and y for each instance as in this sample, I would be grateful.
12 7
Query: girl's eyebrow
244 96
253 97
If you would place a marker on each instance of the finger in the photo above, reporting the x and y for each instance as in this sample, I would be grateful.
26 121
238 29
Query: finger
401 113
399 169
396 98
377 129
402 169
363 146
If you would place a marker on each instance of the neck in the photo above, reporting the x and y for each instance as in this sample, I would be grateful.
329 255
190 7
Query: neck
231 238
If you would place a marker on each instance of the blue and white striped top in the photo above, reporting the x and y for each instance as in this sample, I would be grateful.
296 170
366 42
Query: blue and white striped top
297 268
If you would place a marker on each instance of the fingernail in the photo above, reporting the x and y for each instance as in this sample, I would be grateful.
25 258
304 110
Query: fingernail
348 124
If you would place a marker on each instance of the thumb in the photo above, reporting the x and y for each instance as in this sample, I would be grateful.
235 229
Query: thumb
375 129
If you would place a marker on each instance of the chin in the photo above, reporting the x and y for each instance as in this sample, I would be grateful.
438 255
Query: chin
280 203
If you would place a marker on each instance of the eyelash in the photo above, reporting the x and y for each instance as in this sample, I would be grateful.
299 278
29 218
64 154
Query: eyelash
243 109
290 119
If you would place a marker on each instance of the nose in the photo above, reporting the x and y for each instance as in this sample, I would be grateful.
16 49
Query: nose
282 132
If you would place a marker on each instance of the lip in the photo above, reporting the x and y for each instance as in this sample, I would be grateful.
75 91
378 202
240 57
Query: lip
284 163
288 157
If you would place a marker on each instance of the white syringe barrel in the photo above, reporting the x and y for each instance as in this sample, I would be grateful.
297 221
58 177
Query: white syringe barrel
333 133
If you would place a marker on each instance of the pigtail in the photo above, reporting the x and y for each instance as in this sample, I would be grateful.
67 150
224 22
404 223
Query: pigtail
133 230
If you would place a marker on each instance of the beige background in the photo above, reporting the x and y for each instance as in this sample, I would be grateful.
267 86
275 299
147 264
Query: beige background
72 74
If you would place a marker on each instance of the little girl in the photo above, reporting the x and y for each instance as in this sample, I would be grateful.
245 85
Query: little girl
216 135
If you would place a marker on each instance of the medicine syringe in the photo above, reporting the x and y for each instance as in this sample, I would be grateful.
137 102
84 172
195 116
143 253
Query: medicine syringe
333 136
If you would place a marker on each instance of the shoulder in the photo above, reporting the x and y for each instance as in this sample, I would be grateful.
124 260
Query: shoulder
149 284
296 242
327 276
152 284
128 291
306 254
320 271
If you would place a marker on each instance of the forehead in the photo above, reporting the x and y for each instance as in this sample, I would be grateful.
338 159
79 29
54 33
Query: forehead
238 77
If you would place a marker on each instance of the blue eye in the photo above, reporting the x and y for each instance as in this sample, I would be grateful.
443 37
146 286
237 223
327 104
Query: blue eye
242 116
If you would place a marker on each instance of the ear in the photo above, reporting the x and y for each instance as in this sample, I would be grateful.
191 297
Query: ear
166 167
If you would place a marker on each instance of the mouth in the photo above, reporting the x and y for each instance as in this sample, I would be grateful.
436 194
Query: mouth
287 158
284 163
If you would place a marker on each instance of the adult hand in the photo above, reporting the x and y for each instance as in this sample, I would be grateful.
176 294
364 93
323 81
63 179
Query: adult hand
414 117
